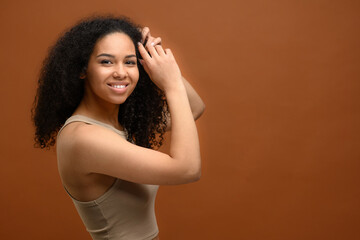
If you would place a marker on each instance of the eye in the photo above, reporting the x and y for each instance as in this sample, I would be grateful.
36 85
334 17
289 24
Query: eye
130 62
105 62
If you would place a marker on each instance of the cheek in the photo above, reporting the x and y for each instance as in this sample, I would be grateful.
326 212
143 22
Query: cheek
135 75
99 73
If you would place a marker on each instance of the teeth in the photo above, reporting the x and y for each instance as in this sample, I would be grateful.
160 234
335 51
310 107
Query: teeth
118 86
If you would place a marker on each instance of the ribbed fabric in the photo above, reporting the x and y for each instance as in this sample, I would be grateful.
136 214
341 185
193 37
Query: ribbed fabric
125 211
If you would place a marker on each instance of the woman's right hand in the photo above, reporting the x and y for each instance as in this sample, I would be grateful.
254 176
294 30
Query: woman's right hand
161 66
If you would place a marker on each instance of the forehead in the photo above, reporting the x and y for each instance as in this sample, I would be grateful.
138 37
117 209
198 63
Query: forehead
115 43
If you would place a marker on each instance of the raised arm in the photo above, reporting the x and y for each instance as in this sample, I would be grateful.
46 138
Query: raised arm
164 71
196 103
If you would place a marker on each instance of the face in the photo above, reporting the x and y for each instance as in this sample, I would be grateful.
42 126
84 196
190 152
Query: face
112 72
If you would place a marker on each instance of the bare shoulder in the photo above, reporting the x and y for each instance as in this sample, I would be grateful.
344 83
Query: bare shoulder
78 145
79 135
73 141
78 139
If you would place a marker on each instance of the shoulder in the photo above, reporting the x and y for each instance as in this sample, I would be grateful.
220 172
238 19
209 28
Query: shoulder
79 140
80 134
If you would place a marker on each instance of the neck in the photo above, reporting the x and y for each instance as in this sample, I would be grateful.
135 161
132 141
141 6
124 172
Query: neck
99 110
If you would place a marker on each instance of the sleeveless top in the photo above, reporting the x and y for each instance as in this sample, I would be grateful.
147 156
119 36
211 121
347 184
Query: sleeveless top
124 211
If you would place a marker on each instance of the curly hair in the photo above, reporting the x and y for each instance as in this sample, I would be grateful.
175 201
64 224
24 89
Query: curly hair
60 88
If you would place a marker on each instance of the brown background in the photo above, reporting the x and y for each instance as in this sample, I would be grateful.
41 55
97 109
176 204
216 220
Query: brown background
280 137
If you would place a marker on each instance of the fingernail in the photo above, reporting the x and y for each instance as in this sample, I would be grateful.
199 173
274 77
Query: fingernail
139 43
152 44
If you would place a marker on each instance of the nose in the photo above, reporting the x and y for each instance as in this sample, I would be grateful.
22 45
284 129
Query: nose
119 72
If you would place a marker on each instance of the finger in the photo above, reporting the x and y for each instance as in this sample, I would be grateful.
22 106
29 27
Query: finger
160 50
144 33
168 51
156 41
149 40
152 51
153 41
144 54
144 64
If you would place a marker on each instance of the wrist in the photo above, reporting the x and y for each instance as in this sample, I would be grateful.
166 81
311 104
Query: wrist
175 86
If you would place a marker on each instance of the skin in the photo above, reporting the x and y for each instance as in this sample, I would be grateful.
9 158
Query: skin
112 63
196 103
91 157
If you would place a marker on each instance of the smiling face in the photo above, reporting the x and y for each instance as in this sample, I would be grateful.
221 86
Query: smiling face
112 71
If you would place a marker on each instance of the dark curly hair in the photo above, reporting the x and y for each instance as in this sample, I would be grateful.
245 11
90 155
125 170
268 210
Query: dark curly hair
60 88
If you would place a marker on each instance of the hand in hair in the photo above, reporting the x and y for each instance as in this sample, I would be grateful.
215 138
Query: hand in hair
161 66
196 103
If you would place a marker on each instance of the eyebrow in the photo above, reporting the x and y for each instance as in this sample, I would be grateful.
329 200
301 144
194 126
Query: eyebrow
112 56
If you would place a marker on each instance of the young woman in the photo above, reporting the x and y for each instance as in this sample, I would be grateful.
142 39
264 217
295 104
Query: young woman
107 92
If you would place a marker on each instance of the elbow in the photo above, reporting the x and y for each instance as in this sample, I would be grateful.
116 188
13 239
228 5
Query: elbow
194 175
200 110
197 176
186 173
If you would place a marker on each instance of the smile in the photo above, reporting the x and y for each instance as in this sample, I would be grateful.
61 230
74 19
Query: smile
119 86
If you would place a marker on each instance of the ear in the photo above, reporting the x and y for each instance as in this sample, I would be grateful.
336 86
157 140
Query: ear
83 74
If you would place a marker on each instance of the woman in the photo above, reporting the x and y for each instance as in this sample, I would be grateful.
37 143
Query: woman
106 93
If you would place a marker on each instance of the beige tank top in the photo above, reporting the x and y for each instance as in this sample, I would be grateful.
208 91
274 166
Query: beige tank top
125 211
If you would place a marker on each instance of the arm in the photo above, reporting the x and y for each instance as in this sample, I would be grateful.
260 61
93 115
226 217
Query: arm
93 149
196 104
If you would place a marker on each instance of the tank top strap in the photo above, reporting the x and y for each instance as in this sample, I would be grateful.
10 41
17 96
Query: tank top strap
81 118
